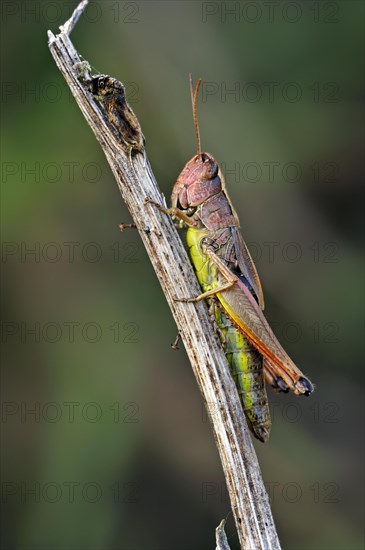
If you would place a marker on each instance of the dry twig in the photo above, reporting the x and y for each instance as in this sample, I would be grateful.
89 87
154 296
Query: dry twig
118 131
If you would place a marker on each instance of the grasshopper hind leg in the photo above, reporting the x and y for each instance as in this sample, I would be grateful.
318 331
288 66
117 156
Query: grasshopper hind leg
213 304
275 381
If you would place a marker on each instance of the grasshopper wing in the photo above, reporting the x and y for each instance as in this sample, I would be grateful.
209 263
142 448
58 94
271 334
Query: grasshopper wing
243 310
246 264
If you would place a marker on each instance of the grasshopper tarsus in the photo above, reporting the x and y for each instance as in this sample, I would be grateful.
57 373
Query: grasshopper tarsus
175 344
124 226
148 200
185 300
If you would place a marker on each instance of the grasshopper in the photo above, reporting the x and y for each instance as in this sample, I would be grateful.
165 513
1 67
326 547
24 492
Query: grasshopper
230 284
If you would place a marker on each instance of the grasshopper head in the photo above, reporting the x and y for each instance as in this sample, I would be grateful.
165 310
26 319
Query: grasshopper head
198 181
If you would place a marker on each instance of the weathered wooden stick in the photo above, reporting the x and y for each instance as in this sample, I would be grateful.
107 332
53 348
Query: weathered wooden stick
102 101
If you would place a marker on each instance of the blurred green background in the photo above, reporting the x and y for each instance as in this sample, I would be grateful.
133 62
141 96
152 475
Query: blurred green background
106 444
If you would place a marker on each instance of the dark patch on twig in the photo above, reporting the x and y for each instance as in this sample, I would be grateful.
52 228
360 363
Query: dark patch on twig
110 94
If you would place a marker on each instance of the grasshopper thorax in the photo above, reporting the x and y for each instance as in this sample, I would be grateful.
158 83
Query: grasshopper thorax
198 181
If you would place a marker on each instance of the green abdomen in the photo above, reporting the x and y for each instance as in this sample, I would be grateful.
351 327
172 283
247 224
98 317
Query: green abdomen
246 364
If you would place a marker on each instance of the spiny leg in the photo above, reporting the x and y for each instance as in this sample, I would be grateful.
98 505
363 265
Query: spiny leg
217 329
175 344
124 226
207 294
275 381
174 212
230 277
289 376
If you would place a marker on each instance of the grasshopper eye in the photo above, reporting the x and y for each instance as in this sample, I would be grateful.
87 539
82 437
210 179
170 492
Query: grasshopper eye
211 169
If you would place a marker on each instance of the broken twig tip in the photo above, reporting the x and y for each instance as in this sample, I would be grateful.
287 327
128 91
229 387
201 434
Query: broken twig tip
51 37
69 25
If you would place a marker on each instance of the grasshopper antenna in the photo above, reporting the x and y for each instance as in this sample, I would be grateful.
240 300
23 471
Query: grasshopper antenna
194 96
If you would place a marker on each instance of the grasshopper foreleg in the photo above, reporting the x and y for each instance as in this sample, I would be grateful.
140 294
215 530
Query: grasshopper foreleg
173 212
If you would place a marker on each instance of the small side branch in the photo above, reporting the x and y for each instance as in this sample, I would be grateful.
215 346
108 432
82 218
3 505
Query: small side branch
102 101
221 537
